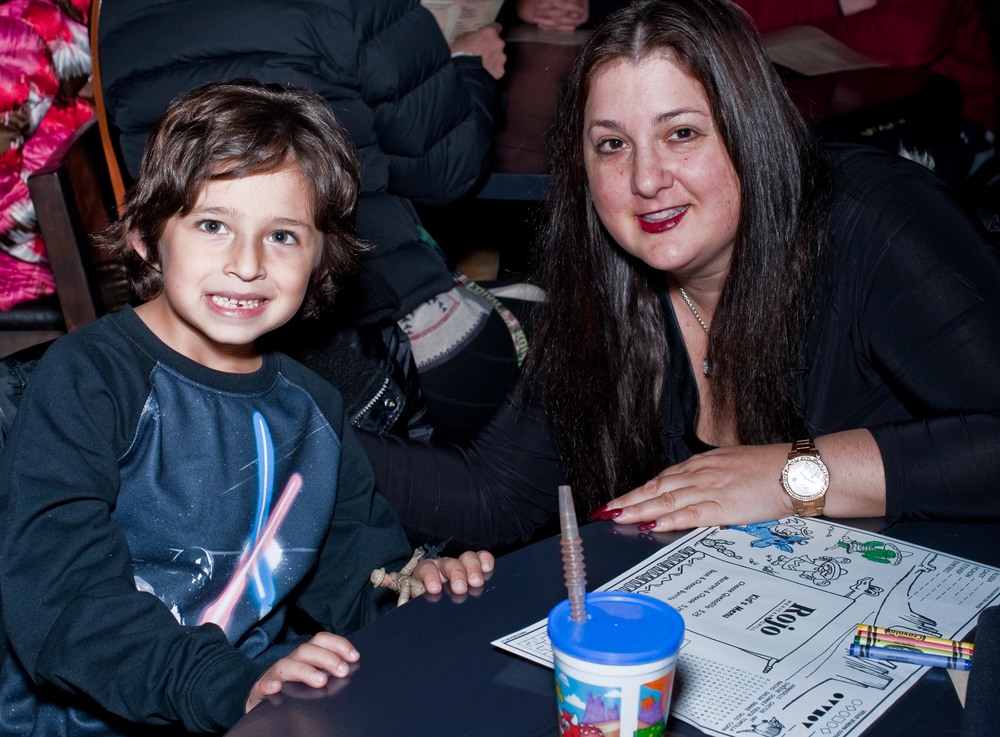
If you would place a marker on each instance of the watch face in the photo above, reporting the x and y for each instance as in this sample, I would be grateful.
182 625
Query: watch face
805 478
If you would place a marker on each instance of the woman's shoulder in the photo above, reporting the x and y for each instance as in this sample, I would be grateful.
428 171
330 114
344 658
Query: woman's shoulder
859 166
889 209
877 187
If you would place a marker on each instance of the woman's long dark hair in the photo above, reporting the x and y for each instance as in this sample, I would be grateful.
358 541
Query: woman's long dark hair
600 344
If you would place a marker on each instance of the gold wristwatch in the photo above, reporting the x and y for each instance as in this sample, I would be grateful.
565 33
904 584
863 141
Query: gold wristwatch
805 478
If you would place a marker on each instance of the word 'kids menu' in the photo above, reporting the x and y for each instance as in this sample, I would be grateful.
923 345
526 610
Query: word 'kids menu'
770 611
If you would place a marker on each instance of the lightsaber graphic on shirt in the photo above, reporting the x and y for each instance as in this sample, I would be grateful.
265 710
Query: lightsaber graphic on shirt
262 578
221 610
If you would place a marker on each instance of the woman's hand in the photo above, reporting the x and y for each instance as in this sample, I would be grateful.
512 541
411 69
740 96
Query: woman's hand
740 484
726 486
313 663
460 573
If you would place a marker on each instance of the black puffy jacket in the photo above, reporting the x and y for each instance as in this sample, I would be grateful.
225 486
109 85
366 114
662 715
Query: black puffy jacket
422 122
14 373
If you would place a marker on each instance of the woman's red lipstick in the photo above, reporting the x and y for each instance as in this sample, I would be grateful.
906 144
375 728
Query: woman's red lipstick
661 220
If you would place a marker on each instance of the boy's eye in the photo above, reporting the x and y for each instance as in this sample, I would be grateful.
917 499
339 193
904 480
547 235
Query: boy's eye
283 237
213 227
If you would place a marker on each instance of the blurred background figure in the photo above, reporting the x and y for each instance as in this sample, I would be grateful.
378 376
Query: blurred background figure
421 115
558 15
944 36
553 15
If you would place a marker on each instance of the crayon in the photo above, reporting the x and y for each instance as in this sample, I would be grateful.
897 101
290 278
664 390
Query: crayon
956 649
911 657
866 630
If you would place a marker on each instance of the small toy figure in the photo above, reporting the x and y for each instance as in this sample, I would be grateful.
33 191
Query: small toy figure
403 582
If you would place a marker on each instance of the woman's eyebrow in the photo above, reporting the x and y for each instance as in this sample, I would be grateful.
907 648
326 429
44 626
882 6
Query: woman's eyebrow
660 119
671 114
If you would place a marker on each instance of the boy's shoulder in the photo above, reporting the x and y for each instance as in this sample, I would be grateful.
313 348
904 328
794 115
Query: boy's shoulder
99 346
81 372
323 392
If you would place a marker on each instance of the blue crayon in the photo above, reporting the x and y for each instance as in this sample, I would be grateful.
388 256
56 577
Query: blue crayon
911 656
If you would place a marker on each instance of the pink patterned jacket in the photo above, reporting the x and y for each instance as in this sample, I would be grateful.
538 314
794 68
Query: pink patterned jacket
44 81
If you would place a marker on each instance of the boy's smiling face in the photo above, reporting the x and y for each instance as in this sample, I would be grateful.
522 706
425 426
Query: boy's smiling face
234 268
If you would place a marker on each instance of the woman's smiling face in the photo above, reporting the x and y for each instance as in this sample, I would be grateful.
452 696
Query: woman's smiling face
659 173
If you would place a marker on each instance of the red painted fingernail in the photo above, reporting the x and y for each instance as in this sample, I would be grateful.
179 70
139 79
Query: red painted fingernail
598 513
612 514
646 526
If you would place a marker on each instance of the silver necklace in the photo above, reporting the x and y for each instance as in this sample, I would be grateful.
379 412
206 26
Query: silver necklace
697 316
694 311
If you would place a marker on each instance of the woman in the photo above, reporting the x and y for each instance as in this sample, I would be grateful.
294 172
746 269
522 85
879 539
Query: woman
719 289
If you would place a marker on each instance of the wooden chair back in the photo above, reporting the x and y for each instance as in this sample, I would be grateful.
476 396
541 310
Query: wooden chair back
74 200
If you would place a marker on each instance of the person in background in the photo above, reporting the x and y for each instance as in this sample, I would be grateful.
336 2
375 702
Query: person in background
188 520
552 15
741 325
421 115
558 15
944 36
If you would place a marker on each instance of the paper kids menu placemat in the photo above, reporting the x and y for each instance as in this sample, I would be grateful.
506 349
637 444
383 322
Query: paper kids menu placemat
771 610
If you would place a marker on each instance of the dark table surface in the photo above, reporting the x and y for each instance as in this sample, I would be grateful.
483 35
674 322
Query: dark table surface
428 668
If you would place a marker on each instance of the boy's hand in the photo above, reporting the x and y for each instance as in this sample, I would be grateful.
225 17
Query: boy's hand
461 573
313 663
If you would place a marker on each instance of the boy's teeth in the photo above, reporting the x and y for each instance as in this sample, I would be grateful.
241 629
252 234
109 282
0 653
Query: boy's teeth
232 304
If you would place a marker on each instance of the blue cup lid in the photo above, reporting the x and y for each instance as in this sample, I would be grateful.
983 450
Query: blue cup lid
621 629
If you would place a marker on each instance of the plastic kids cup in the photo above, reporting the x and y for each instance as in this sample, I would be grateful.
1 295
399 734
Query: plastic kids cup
615 671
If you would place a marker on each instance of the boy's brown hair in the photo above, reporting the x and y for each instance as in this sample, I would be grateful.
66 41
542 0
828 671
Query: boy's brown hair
235 129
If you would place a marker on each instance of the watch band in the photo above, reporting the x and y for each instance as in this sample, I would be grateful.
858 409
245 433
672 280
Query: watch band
803 448
814 507
809 509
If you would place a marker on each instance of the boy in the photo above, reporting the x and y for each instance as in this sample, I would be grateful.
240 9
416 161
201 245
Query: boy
175 496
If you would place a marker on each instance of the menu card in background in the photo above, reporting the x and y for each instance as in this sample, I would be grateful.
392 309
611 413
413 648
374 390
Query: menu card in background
462 16
810 51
